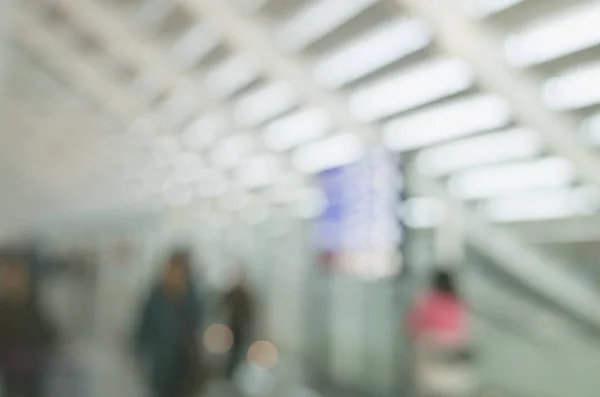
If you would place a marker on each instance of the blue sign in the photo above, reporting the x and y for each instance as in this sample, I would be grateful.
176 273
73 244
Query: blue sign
360 217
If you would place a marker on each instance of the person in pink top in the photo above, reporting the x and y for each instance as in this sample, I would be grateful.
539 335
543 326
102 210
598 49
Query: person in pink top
438 332
440 314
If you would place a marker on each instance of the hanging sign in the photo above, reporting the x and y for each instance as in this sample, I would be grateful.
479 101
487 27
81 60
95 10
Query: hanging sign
359 229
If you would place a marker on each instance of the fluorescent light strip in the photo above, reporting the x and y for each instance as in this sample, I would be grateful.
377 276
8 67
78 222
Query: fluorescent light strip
445 122
265 103
542 205
296 129
193 45
335 151
318 19
508 145
408 89
484 8
374 50
496 180
204 131
577 88
233 74
565 33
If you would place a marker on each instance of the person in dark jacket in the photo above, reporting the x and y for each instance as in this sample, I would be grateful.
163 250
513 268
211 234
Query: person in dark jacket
239 304
167 334
27 336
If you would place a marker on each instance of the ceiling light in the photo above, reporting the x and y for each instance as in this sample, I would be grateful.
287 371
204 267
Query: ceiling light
266 102
379 47
448 121
335 151
427 82
188 167
232 151
563 34
234 199
211 183
514 144
193 45
166 149
317 19
576 88
233 74
204 131
260 171
542 204
499 179
298 128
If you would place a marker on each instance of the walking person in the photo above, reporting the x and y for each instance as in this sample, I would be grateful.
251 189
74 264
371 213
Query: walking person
166 338
239 305
439 334
27 336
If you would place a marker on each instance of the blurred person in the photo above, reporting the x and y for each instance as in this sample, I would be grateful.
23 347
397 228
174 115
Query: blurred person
438 332
166 339
27 336
239 305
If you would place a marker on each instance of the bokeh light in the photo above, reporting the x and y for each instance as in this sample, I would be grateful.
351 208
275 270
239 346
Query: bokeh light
218 339
263 354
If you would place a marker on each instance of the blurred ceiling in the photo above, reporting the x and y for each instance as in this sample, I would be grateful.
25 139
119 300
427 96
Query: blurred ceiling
139 101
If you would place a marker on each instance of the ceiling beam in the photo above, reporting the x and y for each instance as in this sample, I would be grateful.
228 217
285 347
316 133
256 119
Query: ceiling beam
461 35
81 74
123 43
540 273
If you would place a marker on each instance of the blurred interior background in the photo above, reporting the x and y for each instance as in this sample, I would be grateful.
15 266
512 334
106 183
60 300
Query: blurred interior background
455 132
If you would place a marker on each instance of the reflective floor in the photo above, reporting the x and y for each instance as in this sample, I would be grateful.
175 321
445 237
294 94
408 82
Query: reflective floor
109 372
